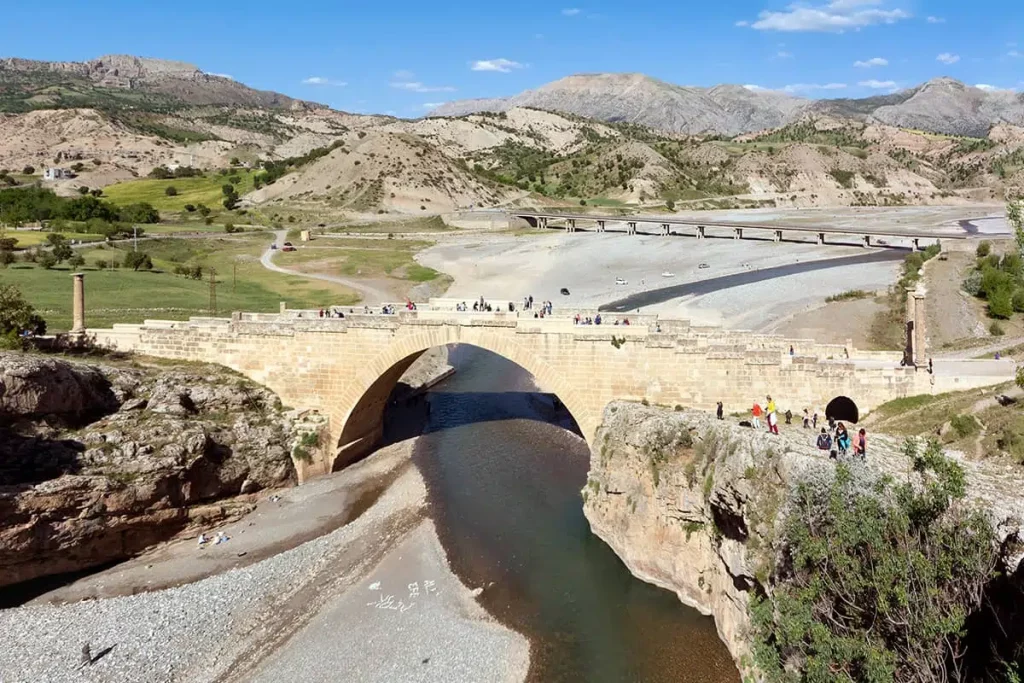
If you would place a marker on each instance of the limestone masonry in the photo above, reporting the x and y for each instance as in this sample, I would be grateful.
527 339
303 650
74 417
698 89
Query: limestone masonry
346 368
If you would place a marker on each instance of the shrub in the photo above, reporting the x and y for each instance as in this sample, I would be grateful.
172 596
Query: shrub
964 425
6 258
1000 303
229 228
29 170
84 189
203 210
17 314
140 212
138 260
996 330
77 167
234 180
47 260
171 191
984 249
972 283
76 260
190 208
905 565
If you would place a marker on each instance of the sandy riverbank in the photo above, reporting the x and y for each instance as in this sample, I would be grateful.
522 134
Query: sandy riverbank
323 603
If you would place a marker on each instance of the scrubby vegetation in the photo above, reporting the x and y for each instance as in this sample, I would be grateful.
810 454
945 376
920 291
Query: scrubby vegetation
876 579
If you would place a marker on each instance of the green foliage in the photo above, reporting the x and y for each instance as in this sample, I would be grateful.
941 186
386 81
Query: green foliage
1000 303
1016 219
877 580
849 295
59 247
807 132
138 260
47 260
984 249
964 425
34 204
996 330
273 170
171 191
844 178
17 315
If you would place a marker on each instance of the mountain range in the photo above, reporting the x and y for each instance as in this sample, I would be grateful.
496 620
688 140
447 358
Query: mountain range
942 105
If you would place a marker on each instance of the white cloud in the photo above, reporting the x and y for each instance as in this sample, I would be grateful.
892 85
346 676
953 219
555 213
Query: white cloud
501 65
743 23
936 20
836 16
320 80
874 61
1013 53
404 75
754 88
947 58
571 12
806 87
878 85
432 105
416 86
782 54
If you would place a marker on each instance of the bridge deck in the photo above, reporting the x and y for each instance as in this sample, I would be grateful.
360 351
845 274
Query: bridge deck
695 222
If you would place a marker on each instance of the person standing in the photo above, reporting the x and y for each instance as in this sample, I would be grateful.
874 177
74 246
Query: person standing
755 413
824 441
773 418
807 419
860 446
842 439
720 411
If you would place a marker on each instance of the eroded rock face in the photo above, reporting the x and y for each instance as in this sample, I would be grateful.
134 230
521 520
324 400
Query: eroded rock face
159 450
695 505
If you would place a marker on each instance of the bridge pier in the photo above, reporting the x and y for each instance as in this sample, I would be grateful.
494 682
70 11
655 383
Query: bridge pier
666 229
700 232
917 244
542 223
600 226
778 236
737 233
570 225
821 238
867 241
631 228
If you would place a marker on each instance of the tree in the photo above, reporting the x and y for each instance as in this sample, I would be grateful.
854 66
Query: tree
984 249
227 190
203 210
97 192
77 167
1016 219
84 189
60 248
17 315
29 170
141 212
6 258
230 202
234 161
229 228
1000 303
76 260
171 191
138 260
190 207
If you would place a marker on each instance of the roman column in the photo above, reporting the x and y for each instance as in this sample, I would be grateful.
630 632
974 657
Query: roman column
78 305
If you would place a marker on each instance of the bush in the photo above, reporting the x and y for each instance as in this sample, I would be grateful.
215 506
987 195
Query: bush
77 167
6 258
47 260
171 191
972 283
234 180
230 202
141 212
203 210
76 260
904 565
996 330
964 425
1000 303
138 260
29 170
190 208
229 228
84 189
984 249
16 314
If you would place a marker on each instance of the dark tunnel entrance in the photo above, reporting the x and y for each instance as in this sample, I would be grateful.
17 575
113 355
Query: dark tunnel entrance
842 409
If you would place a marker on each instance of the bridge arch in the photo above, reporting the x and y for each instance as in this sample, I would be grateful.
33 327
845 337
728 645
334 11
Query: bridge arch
360 416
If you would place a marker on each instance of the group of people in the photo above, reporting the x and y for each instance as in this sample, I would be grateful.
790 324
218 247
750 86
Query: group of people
770 412
836 440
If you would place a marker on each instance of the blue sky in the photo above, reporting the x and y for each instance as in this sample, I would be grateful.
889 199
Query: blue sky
401 56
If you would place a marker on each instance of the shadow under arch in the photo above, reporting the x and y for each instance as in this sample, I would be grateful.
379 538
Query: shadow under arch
842 409
362 425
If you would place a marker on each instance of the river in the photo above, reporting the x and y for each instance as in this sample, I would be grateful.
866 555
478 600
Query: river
504 470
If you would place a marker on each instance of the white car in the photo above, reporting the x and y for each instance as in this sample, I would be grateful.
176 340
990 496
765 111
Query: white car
668 274
620 281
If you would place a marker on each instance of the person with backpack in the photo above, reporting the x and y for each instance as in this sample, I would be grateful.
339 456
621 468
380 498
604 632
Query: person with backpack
824 441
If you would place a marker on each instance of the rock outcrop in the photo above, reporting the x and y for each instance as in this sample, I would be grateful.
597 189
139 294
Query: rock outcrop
695 505
99 462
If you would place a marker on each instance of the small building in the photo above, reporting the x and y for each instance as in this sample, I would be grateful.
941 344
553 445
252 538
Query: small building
56 173
305 236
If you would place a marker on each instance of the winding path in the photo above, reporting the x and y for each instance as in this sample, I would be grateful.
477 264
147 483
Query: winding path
369 293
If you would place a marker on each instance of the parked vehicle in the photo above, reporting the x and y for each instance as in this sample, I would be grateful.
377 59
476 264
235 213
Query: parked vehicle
565 291
620 281
668 274
703 265
287 247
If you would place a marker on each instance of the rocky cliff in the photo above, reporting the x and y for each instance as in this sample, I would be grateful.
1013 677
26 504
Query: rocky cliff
695 505
98 462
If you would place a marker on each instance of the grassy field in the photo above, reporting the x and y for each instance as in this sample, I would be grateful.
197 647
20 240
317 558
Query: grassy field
202 190
432 224
373 259
122 295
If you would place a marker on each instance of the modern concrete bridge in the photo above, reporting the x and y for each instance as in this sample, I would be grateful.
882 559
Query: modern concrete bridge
347 368
701 227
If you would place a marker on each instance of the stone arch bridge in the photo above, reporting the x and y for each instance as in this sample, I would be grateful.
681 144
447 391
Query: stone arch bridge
347 368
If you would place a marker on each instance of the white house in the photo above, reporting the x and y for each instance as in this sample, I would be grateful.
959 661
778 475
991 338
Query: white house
56 173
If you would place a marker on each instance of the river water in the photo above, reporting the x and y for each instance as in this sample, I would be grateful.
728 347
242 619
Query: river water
504 470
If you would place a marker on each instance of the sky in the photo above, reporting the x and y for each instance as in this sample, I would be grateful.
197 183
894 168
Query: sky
403 57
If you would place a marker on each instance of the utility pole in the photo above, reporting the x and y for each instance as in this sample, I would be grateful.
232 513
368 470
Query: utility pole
234 276
135 239
213 291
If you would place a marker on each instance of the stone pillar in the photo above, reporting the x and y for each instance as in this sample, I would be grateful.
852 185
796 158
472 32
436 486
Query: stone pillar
737 233
821 238
666 229
778 236
917 344
600 226
570 225
284 307
630 228
867 240
917 244
78 305
700 232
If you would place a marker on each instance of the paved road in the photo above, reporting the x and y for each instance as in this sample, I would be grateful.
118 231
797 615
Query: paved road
369 293
714 284
967 354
